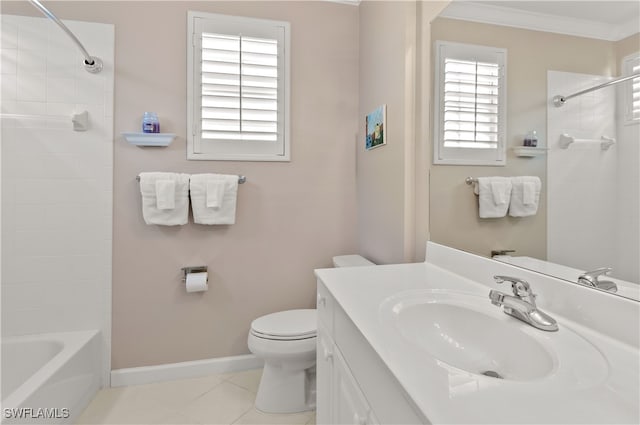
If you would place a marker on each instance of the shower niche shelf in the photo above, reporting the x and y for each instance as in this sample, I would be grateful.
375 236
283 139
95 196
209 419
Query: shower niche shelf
149 139
528 151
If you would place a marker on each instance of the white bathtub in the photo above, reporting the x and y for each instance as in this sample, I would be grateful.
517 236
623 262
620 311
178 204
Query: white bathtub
49 378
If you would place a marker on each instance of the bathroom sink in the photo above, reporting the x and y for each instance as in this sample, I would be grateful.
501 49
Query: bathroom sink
466 332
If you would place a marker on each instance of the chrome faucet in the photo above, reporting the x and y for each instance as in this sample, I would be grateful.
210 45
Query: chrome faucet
522 305
591 279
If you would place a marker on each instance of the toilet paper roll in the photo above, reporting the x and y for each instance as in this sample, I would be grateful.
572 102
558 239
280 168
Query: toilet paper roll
197 282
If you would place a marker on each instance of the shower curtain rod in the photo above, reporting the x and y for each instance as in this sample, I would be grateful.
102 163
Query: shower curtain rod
560 100
91 63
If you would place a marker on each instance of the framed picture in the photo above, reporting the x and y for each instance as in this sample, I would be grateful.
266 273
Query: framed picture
376 127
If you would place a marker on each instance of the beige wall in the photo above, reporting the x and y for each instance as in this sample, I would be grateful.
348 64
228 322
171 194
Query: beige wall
626 47
292 217
392 185
387 55
427 12
384 174
453 206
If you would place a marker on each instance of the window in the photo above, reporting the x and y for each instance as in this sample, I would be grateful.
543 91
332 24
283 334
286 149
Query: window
631 65
470 105
237 88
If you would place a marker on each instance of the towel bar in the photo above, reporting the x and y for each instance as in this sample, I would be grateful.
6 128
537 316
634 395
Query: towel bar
241 179
470 180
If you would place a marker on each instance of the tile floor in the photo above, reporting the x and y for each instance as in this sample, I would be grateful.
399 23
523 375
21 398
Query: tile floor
216 399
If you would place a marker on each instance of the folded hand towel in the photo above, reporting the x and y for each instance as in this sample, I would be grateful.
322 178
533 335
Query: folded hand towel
525 196
529 196
215 193
165 194
499 192
218 190
493 196
156 198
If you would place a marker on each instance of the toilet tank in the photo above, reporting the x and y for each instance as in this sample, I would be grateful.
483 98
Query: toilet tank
351 261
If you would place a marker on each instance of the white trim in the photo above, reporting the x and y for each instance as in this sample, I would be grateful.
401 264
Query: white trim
183 370
509 17
349 2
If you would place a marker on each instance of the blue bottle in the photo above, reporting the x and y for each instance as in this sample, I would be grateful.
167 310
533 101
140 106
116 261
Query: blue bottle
150 123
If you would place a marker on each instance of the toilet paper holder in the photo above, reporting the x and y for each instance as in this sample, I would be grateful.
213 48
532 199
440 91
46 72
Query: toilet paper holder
196 269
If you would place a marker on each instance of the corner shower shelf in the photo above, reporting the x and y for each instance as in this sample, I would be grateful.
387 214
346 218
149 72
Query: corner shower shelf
529 151
149 139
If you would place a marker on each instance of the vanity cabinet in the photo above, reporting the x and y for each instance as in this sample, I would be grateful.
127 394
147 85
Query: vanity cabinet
353 384
339 398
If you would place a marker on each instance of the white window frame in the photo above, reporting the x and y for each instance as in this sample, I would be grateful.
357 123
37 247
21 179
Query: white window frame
227 150
469 156
628 63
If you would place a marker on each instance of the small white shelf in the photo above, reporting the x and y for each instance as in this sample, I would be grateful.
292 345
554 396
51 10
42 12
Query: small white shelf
529 151
149 139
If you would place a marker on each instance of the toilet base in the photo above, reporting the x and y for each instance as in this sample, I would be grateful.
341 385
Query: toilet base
286 391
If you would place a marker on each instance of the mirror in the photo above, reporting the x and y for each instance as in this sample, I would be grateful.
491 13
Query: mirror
588 214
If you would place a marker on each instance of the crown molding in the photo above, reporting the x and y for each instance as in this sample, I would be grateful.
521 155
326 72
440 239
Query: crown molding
498 15
349 2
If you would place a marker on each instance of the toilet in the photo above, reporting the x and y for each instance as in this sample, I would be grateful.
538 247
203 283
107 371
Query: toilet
286 341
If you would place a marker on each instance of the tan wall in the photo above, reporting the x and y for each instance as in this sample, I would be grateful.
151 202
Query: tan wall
292 217
453 206
625 47
392 180
427 12
384 174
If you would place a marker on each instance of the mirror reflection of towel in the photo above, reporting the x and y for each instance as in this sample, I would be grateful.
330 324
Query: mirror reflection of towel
525 196
493 196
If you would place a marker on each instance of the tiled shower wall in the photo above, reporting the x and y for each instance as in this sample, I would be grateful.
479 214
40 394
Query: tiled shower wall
585 225
56 182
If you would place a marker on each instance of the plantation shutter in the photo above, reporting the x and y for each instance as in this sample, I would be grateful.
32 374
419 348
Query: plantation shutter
471 104
635 91
239 78
239 82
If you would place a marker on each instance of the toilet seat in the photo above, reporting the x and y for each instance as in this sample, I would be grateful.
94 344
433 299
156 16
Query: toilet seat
287 325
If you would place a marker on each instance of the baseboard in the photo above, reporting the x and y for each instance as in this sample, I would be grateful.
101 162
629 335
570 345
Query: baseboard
183 370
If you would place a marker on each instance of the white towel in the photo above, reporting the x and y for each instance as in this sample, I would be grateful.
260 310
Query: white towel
213 198
155 189
215 193
165 194
493 196
525 196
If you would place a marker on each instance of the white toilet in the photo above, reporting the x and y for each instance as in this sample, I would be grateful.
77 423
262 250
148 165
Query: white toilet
287 342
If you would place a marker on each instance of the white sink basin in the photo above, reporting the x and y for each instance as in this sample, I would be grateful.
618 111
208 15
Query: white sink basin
466 332
474 341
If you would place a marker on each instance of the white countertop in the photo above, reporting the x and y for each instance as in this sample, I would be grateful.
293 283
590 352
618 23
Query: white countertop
448 395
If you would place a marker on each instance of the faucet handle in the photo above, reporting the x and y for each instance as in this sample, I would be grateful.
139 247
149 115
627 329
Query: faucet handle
520 287
593 274
591 279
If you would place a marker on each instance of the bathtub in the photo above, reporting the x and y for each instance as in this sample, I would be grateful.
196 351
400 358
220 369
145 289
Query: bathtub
49 378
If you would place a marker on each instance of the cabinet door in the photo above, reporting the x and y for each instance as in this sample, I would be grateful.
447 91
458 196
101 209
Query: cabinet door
349 405
324 376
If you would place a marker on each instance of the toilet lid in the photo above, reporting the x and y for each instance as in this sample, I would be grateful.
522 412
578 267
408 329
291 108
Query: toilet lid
290 324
